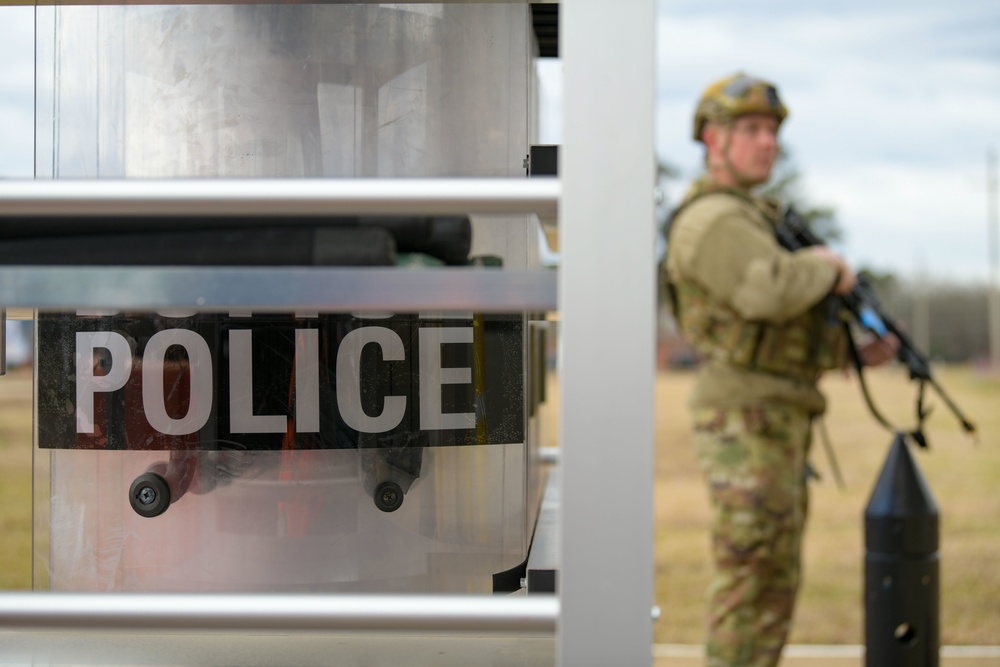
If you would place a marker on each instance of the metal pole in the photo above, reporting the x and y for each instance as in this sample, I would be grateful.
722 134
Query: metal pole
607 305
902 567
994 249
278 612
295 197
285 289
921 310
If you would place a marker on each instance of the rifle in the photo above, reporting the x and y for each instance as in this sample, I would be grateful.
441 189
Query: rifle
862 302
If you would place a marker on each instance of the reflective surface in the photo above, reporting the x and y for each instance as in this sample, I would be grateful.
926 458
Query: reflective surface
288 90
278 289
336 91
246 612
307 90
245 452
316 198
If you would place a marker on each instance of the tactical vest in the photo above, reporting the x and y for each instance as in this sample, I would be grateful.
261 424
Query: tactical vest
799 348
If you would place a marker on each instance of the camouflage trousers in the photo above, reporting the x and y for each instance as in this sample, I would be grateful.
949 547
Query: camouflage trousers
754 461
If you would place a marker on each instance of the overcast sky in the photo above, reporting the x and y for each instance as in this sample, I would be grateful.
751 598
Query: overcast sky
894 106
17 95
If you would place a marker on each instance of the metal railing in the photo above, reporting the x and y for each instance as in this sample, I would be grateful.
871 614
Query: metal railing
605 618
216 612
278 196
277 289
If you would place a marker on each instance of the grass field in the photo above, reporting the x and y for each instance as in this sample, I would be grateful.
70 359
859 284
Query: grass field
15 479
964 478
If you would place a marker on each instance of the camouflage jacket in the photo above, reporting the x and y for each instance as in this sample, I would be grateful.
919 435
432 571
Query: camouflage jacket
757 313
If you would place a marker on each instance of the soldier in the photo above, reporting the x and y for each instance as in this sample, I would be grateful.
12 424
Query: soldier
761 319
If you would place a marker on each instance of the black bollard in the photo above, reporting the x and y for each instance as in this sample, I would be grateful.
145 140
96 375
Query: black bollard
902 585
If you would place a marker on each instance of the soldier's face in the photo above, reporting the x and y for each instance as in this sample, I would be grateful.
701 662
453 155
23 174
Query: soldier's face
750 145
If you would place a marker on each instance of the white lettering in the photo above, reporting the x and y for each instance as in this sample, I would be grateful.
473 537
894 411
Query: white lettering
306 380
87 312
177 313
433 376
87 384
154 402
104 363
349 380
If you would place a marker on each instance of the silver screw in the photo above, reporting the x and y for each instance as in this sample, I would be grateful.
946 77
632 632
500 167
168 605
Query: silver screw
147 496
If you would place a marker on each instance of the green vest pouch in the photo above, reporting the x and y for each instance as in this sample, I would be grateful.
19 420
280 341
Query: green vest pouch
799 348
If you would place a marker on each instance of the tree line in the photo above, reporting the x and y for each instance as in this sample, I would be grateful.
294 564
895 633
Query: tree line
950 322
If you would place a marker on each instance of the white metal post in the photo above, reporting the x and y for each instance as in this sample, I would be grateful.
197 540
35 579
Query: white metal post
993 223
607 298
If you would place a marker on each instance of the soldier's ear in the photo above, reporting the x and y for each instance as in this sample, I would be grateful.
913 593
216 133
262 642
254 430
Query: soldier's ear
711 135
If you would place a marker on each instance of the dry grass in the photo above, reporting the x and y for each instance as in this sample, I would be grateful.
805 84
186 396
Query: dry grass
15 479
963 478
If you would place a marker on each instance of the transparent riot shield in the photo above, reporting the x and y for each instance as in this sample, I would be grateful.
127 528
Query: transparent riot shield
286 451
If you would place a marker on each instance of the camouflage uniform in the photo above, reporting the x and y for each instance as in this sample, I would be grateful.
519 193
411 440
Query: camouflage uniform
760 318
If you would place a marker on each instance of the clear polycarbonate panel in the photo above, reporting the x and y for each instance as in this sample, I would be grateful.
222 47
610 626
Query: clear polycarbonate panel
287 90
252 452
309 451
290 90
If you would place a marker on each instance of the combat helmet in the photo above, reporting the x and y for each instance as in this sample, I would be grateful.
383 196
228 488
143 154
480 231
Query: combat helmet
734 96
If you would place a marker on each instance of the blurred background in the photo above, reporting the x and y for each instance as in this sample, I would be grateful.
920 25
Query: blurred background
891 147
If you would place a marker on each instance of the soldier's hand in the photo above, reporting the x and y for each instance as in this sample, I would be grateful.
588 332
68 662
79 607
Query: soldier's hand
877 351
846 279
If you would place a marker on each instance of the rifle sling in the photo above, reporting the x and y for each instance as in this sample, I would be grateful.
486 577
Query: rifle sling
831 455
917 433
856 357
